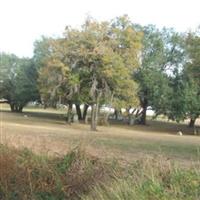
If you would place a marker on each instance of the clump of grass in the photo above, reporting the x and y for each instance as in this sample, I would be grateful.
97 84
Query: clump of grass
151 179
24 175
77 175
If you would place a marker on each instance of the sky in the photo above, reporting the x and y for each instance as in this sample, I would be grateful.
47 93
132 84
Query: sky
24 21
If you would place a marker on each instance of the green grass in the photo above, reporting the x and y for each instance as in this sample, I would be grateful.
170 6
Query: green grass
79 176
150 188
166 148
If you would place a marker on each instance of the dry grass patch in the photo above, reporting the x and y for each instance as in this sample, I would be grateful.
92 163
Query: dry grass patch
78 175
24 175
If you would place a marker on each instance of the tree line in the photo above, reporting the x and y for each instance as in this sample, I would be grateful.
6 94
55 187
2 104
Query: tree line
116 63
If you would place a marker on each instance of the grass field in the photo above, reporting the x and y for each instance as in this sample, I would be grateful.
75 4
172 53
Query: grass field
118 162
46 131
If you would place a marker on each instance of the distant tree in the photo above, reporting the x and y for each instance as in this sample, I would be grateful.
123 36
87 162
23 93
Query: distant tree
98 60
177 105
42 50
192 71
192 101
184 80
7 67
150 71
184 98
162 53
19 78
106 61
154 90
60 86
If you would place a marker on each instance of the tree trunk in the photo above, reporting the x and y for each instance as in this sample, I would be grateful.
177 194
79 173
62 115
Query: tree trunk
78 111
143 117
16 107
97 113
86 106
116 114
105 119
93 126
54 105
45 106
192 122
94 117
12 107
69 113
129 115
144 105
20 108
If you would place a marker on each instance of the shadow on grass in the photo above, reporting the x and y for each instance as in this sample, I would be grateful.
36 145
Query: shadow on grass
58 117
158 126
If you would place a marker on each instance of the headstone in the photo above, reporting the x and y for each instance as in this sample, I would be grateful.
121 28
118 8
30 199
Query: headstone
132 121
75 119
120 117
196 131
179 133
86 119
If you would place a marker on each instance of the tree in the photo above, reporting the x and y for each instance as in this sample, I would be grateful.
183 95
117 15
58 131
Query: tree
162 54
153 91
106 61
177 105
98 60
192 101
19 81
57 80
150 71
42 51
184 96
7 66
192 72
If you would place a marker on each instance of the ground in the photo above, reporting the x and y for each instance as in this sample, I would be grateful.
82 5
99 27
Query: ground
45 131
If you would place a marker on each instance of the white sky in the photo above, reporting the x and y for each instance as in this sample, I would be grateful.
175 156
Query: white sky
24 21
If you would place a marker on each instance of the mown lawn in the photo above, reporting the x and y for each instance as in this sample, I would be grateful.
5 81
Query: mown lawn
116 162
47 131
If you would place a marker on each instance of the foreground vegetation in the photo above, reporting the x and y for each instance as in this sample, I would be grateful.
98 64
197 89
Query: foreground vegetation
77 175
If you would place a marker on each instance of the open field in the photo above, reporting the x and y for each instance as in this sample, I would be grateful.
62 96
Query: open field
47 132
116 162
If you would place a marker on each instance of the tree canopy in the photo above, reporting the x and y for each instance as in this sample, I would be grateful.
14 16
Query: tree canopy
114 63
93 65
18 81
